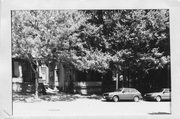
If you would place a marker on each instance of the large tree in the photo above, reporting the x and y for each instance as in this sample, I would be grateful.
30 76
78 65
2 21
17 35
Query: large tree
43 35
136 40
56 36
129 42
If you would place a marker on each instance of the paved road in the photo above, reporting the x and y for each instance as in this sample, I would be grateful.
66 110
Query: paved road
85 107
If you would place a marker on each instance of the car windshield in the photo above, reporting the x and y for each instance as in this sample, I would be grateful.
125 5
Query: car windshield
166 90
159 90
120 89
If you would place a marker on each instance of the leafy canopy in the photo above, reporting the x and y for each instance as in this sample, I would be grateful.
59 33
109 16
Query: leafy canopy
94 39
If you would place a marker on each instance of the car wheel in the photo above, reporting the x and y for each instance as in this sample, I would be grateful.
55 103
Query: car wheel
136 99
158 98
115 98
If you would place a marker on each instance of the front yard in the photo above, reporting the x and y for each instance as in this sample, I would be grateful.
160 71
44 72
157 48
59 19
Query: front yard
30 98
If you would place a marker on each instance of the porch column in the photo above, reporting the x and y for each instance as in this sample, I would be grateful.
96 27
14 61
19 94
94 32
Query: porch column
20 71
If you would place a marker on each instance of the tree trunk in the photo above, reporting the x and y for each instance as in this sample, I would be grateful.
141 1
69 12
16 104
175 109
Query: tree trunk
124 78
128 78
117 80
36 79
36 71
36 85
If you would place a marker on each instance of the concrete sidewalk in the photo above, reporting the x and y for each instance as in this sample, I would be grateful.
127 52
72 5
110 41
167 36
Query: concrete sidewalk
90 107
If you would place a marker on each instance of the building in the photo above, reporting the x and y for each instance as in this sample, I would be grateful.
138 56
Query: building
23 77
72 80
60 75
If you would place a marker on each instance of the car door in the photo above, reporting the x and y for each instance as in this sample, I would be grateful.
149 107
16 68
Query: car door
126 94
166 94
133 92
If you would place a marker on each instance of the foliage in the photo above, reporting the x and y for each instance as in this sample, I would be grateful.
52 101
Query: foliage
135 39
132 41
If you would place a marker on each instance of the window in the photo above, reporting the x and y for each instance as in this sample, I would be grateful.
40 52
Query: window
166 91
133 90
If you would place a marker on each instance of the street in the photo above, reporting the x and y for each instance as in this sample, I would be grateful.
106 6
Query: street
85 107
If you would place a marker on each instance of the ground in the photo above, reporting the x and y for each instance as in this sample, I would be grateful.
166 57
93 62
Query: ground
73 105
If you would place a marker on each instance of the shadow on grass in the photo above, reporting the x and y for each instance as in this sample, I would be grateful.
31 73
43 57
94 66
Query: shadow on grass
58 97
19 97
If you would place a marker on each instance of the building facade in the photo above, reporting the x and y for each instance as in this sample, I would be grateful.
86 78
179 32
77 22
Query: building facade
60 75
68 79
23 77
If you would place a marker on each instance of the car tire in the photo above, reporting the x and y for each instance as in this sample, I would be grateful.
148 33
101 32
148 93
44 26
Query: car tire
115 99
158 98
136 99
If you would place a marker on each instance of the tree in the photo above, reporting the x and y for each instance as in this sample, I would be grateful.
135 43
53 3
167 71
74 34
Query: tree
55 36
38 35
136 40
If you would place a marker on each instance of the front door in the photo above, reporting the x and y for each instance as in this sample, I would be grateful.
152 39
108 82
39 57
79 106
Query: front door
166 95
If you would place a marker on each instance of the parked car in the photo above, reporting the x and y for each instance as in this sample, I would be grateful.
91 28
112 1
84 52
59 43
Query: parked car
163 94
123 94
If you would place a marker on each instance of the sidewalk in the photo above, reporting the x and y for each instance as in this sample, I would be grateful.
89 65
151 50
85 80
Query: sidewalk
90 107
62 104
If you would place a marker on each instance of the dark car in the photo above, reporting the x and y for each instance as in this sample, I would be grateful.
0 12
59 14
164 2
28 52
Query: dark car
163 94
123 94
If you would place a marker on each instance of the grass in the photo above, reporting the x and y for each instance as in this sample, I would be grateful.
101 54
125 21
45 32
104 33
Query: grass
30 98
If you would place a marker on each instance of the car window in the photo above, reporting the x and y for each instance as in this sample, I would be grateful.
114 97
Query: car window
159 90
126 90
166 91
133 90
120 89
